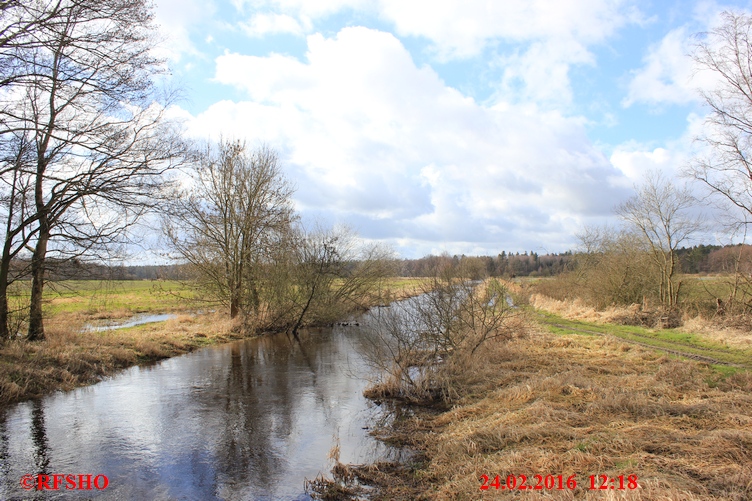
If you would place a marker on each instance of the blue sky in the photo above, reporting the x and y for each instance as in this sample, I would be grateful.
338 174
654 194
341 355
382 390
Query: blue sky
468 127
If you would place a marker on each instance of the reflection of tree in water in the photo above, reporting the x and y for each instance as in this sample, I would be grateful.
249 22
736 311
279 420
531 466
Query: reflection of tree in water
258 407
39 437
4 454
262 404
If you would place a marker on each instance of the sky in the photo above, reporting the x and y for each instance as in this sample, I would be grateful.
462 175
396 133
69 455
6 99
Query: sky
468 127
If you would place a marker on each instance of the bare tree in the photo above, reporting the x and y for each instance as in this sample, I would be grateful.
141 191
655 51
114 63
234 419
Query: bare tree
20 25
413 342
616 266
91 143
726 53
331 276
662 214
233 222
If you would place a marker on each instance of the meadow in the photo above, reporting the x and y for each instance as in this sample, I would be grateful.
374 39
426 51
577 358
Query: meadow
573 405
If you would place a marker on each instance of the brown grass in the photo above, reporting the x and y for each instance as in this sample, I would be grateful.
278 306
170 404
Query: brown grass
721 330
574 405
578 309
734 331
70 357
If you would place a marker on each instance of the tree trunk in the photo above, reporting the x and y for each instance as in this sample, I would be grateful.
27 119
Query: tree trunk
234 305
36 323
4 272
4 332
299 322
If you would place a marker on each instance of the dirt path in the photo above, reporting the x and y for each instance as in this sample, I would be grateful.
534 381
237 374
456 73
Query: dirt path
673 351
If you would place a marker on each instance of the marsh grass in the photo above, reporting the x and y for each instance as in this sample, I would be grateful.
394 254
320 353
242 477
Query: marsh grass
578 405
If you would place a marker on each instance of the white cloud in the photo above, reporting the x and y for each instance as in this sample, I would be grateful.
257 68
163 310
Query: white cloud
176 18
542 71
265 24
539 40
302 9
634 160
667 76
463 29
372 140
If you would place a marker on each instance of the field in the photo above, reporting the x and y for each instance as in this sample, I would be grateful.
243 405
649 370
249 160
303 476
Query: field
109 299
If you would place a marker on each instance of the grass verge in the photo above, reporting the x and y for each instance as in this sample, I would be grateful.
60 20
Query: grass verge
722 348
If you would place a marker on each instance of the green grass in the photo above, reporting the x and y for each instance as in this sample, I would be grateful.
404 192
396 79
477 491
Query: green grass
99 296
119 298
661 338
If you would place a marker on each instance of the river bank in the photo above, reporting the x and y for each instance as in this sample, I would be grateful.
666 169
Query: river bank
548 408
72 356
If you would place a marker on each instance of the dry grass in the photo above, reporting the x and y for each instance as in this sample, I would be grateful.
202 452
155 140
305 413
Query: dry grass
733 331
70 357
727 332
578 309
574 405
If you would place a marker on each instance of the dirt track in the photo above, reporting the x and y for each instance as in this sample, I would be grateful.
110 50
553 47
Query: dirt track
672 351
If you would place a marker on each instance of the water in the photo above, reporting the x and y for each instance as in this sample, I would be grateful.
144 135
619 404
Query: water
132 322
250 420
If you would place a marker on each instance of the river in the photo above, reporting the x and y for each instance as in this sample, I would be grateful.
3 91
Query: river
249 420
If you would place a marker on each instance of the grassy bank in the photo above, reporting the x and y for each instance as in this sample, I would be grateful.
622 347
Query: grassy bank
571 404
72 356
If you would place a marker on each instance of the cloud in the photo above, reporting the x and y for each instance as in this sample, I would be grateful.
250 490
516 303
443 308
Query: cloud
533 42
373 140
463 29
541 72
261 25
176 20
672 158
667 75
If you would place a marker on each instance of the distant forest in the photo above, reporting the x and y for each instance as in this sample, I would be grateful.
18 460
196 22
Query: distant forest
698 259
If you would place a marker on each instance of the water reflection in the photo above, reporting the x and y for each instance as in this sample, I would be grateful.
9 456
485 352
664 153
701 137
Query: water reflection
249 420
